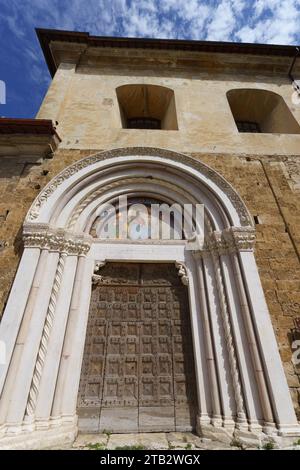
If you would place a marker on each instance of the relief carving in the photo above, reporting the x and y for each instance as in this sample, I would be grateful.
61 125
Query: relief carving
292 172
229 240
182 273
43 237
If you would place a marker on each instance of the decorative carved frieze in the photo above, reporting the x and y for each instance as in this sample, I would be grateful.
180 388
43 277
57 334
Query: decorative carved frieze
44 237
229 240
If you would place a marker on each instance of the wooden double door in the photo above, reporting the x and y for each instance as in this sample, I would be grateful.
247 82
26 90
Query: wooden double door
138 366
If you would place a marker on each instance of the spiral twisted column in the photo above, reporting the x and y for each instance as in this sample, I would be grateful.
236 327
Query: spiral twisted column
37 374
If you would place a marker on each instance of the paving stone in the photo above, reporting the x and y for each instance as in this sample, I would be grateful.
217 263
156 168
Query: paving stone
221 435
150 441
83 440
182 439
159 441
247 439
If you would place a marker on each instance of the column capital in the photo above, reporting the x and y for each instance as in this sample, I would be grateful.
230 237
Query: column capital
44 236
232 239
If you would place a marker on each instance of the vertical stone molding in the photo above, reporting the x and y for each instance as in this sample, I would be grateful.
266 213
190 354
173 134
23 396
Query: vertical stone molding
217 412
231 347
269 422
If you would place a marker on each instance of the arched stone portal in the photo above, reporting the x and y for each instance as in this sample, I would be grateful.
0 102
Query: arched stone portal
241 386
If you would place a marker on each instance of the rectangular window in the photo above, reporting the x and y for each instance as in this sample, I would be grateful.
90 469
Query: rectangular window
143 123
247 126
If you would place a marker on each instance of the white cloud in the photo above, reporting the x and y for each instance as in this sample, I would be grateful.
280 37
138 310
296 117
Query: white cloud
275 22
261 20
265 21
222 23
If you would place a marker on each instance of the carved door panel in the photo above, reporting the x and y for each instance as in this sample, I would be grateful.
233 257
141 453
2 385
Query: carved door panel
138 366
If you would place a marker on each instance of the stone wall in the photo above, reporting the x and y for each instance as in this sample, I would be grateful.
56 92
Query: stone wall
269 187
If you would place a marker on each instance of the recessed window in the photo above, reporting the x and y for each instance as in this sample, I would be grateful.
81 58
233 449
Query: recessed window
147 107
261 111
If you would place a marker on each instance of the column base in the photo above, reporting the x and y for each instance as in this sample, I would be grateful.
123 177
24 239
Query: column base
254 435
56 435
289 430
215 433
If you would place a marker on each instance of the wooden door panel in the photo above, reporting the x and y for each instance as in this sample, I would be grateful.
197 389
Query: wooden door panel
137 372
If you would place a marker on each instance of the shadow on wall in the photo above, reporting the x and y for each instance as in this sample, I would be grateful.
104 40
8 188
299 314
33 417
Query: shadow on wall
261 111
147 107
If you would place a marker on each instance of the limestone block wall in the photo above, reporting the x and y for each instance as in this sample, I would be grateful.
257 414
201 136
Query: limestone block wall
269 186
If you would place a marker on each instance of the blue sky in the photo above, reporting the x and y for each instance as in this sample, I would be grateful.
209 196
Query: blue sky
22 66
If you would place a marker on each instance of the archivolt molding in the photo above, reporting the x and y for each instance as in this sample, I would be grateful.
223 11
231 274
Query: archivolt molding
205 170
106 188
44 237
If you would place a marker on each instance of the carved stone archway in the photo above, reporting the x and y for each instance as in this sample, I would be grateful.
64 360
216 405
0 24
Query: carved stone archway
241 385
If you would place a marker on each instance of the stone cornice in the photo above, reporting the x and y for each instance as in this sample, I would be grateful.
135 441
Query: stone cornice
36 138
44 237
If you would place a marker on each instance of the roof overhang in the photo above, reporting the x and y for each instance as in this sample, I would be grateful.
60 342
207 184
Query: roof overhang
80 41
27 138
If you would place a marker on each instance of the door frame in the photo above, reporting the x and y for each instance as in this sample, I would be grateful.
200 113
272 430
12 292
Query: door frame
145 251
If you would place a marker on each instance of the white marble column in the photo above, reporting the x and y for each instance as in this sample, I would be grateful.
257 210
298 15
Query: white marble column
65 399
232 347
29 337
218 336
14 311
277 384
54 349
246 372
203 391
252 343
209 349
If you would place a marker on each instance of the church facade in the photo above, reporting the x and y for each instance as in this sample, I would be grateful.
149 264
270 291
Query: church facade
140 333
